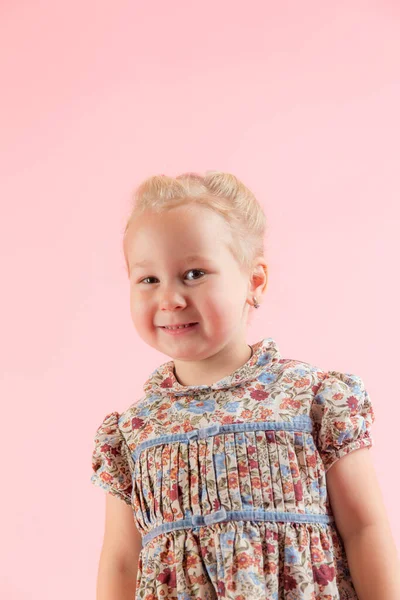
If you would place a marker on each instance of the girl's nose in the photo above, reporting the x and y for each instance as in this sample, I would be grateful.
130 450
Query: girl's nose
171 300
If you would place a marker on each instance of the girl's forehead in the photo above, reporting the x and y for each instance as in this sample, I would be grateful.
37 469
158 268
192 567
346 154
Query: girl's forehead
189 232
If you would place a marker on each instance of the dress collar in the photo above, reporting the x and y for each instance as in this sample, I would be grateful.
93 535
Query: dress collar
164 382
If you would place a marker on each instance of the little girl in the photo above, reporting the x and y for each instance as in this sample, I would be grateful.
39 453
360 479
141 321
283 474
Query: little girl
230 466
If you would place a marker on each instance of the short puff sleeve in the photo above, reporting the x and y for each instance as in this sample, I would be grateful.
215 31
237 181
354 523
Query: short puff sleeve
343 415
111 460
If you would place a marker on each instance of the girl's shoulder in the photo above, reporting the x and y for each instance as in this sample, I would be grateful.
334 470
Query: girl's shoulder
299 373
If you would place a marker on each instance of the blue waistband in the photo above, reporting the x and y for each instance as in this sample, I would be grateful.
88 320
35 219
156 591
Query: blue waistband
236 515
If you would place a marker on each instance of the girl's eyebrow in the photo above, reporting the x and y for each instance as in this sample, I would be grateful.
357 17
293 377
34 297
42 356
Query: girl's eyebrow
144 263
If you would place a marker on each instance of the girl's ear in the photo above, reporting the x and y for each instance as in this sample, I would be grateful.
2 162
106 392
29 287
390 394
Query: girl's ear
258 279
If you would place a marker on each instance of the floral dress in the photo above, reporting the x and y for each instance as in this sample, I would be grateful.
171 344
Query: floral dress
227 482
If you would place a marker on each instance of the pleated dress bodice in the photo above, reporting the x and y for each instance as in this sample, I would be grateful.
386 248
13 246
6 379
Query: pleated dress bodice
227 482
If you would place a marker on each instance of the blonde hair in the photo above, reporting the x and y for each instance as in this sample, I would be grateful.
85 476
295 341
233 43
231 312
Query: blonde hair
218 191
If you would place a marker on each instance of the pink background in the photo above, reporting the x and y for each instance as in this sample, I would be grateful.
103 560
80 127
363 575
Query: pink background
300 100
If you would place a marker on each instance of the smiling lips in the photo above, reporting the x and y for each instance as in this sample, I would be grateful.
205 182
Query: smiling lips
179 329
180 324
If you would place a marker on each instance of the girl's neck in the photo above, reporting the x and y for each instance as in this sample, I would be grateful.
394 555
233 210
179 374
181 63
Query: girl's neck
213 368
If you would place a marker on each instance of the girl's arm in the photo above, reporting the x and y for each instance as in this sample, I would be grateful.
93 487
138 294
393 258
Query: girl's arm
120 551
361 519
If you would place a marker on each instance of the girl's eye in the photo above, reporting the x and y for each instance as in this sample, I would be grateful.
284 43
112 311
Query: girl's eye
191 271
196 271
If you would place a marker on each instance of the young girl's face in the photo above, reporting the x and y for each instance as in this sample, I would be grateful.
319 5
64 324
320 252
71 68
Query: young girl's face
172 287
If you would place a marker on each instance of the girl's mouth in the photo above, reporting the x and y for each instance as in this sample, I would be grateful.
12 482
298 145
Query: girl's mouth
181 329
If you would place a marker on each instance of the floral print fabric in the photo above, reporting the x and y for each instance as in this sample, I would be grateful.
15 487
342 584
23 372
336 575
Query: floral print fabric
227 482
